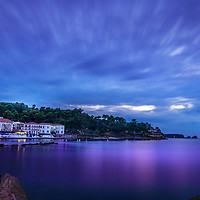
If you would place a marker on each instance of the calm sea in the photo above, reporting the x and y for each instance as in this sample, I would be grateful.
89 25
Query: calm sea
122 170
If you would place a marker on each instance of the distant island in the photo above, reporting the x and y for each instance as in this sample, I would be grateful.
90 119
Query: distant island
77 122
179 136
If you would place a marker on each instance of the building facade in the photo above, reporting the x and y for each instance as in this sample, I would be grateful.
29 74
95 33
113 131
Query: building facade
18 126
48 128
6 125
32 129
59 129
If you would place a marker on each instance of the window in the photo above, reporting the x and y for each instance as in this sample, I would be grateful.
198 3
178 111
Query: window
47 131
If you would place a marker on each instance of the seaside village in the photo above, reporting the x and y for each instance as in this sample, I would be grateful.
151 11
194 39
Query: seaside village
33 130
10 129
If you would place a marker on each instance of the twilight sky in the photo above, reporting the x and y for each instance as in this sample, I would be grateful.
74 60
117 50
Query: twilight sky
133 58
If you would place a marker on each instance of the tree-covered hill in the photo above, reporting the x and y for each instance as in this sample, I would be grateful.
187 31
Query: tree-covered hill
75 120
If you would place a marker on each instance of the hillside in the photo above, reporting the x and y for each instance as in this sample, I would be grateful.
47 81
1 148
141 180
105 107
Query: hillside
75 121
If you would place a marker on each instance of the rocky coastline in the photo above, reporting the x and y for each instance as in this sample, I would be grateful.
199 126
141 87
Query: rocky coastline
28 144
78 138
10 189
109 138
195 198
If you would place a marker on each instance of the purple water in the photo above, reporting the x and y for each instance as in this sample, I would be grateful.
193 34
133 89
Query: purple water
153 170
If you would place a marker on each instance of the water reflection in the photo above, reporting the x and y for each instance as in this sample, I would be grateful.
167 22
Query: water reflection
136 169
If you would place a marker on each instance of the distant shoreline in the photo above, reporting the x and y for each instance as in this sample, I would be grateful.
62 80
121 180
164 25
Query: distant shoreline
91 138
43 143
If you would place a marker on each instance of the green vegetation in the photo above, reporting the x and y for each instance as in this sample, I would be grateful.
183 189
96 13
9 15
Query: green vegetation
75 121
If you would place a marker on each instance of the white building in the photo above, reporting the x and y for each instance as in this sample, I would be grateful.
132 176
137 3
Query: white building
32 128
6 124
47 128
18 126
59 129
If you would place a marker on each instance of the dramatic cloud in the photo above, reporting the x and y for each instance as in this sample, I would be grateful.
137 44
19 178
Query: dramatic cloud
114 108
133 58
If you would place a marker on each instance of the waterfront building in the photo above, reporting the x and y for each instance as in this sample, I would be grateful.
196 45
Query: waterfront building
59 129
18 126
48 128
32 129
6 125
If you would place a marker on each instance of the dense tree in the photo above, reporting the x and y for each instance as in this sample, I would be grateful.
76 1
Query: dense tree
75 120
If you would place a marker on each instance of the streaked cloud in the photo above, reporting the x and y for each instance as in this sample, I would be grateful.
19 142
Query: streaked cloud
181 103
139 108
115 108
189 70
177 107
132 58
177 51
88 107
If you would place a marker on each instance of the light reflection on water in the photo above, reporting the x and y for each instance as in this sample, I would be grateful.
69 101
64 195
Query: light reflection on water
107 170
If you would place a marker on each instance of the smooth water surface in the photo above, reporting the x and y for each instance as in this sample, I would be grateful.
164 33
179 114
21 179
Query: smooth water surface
153 170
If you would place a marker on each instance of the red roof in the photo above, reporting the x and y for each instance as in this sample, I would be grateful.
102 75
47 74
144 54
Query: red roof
58 125
31 123
51 124
45 124
5 120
